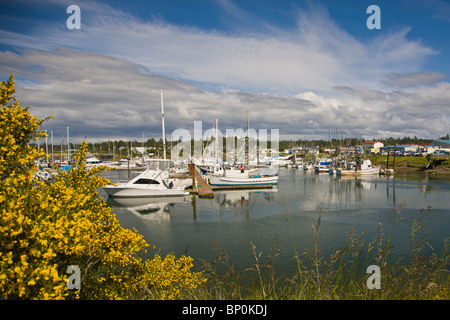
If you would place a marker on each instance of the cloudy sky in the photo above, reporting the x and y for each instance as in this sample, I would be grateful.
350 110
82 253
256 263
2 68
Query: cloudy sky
302 67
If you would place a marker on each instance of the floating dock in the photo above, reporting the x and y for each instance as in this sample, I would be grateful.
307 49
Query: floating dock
199 185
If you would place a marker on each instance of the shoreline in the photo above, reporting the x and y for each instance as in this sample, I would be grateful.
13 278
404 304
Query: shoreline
435 171
413 165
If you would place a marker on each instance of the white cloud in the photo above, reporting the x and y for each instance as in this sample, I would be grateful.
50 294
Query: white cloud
414 79
316 55
301 81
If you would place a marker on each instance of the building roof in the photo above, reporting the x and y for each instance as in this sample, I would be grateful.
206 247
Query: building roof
441 143
371 142
400 146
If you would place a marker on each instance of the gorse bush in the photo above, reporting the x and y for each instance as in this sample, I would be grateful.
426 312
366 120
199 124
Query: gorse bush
46 227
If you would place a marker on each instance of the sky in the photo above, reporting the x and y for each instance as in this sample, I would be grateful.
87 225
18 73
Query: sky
303 67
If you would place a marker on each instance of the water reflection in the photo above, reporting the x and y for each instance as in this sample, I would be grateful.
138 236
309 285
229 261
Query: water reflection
297 191
233 218
150 209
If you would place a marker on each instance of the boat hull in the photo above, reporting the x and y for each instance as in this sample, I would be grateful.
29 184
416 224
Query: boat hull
352 172
133 192
226 181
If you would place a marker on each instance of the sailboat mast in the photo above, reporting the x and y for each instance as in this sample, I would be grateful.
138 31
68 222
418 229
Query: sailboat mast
163 128
53 157
247 140
68 147
217 141
46 147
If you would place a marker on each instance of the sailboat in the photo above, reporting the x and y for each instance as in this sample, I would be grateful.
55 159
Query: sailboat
154 181
242 176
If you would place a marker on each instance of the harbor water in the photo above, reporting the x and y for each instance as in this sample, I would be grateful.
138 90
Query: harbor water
284 216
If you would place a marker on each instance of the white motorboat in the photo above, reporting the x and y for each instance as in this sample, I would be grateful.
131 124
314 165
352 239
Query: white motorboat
153 182
280 161
126 163
92 162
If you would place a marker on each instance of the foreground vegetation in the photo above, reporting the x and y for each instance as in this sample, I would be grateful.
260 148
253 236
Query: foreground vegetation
342 275
45 228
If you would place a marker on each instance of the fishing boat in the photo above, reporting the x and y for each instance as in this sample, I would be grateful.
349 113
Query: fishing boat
323 165
153 182
366 169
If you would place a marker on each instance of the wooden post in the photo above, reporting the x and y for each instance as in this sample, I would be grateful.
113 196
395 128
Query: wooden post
191 167
387 160
393 162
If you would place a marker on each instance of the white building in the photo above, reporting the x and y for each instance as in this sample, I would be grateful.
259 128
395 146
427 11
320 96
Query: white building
373 146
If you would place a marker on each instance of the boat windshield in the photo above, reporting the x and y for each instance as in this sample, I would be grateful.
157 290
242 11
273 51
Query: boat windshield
146 181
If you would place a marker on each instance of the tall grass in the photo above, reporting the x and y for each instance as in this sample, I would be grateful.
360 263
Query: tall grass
341 275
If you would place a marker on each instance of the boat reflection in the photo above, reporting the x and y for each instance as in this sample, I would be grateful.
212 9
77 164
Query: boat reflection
240 198
150 209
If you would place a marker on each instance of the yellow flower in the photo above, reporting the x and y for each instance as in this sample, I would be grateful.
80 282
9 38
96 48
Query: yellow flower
48 227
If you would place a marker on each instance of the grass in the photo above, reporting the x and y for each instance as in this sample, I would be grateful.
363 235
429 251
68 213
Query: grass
342 275
432 161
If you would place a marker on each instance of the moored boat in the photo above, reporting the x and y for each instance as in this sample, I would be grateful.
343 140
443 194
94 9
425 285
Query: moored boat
366 169
243 177
153 182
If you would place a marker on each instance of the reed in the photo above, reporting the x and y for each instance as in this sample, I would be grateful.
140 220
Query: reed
341 275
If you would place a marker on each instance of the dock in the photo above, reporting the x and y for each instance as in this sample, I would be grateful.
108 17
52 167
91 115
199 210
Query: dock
199 185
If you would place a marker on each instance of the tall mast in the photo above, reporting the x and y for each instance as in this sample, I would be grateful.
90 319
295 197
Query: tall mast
217 141
247 140
53 157
163 128
68 146
46 148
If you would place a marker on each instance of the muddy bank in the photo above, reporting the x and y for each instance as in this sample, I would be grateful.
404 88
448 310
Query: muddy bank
438 170
439 165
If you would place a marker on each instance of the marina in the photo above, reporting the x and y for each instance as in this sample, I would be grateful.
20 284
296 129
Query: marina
234 218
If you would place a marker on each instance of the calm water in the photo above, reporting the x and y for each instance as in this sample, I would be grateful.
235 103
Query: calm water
234 219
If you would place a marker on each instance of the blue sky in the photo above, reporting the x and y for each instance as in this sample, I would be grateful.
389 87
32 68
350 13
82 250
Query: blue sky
298 66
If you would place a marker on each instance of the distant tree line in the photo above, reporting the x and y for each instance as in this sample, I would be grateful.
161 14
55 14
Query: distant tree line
123 148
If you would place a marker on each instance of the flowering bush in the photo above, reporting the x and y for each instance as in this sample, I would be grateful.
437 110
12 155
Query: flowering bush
46 227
